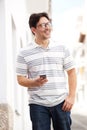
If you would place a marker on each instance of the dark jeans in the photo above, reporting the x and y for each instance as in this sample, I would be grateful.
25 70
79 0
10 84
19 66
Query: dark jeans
41 117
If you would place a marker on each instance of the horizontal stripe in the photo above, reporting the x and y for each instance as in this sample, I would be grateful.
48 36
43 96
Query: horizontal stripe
21 66
43 56
46 67
54 92
21 71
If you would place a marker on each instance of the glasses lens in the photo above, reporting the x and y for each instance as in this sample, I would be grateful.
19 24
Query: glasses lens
48 24
44 25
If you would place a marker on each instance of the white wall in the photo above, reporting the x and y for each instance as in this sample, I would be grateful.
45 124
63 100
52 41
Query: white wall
37 5
3 80
14 34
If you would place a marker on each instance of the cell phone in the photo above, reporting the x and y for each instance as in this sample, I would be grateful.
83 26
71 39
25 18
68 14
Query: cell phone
43 76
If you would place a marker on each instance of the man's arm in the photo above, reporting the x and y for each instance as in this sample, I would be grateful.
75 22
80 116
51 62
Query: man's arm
72 82
24 81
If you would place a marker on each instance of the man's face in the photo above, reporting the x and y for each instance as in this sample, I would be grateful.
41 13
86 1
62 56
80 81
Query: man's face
43 29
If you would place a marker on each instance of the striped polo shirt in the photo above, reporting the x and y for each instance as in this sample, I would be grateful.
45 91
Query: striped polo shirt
52 61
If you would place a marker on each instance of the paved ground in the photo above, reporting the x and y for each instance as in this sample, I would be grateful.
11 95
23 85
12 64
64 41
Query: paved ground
79 122
79 118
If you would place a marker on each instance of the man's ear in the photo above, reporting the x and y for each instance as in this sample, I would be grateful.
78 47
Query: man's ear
33 30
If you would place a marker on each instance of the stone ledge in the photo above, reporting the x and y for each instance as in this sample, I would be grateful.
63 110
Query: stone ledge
6 117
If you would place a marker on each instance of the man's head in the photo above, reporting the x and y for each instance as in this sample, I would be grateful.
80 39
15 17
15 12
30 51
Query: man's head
40 25
35 17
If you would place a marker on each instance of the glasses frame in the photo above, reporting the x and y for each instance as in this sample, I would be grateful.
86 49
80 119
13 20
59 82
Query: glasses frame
44 25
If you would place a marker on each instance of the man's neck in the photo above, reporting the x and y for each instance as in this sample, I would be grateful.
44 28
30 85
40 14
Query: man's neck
43 43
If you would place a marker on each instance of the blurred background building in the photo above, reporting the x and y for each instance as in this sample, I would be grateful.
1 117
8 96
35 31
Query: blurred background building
15 34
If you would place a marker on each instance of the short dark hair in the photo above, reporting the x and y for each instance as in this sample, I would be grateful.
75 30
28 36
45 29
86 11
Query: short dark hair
35 17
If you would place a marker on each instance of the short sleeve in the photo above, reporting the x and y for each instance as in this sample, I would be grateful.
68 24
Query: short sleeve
68 60
21 65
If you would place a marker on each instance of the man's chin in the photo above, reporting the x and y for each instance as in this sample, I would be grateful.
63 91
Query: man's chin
48 36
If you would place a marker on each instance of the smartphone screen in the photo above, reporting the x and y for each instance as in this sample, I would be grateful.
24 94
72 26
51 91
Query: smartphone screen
43 76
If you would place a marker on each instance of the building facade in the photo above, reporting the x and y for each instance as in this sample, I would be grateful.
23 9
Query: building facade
15 34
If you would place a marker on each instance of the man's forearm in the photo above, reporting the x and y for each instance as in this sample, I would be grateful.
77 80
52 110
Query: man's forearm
24 81
37 82
72 81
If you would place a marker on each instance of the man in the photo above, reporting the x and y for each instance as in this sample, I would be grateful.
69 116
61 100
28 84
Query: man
42 67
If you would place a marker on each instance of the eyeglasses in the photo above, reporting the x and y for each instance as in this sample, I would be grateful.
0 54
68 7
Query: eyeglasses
44 25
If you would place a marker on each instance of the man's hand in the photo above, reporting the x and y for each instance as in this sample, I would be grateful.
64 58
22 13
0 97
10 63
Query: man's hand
68 103
40 81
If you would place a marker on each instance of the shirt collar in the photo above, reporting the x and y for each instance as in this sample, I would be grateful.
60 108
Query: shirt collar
51 44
